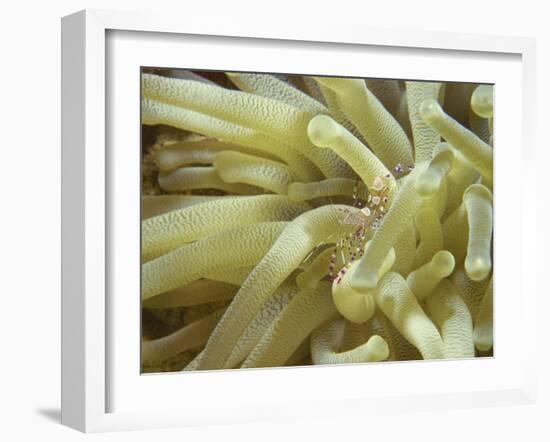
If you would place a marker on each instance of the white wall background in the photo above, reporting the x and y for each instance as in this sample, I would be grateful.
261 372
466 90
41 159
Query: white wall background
30 217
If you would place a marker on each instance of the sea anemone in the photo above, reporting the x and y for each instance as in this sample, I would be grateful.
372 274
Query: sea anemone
299 220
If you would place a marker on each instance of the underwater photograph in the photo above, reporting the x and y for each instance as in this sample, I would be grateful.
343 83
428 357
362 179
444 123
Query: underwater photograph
301 220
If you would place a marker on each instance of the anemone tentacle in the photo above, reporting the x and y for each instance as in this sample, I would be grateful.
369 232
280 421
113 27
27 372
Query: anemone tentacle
405 250
482 101
314 220
189 337
202 151
450 313
400 348
353 335
307 311
431 180
173 229
325 343
260 324
171 158
200 291
482 127
321 225
327 188
236 167
230 275
318 269
272 87
483 328
331 100
471 291
478 201
190 178
379 128
154 205
269 116
245 109
461 175
389 92
431 236
155 112
248 244
357 305
474 149
455 233
425 138
401 307
324 132
423 280
395 222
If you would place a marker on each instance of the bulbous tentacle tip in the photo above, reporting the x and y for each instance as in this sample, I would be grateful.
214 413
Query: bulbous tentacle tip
430 110
364 278
354 306
379 348
477 267
323 131
482 101
443 263
478 190
483 336
483 344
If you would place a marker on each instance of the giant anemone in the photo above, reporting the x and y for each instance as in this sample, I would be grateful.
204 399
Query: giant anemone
297 220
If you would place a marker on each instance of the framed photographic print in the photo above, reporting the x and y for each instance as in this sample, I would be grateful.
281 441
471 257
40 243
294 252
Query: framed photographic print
287 223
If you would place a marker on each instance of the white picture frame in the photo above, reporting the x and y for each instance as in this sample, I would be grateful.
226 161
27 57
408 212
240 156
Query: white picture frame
89 323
